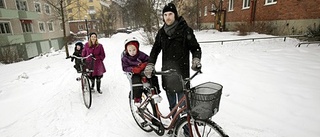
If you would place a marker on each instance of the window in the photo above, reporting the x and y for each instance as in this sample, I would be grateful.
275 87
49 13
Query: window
93 16
231 5
61 26
50 26
205 11
37 6
213 8
81 27
5 28
26 26
271 1
41 27
246 4
1 4
21 5
47 9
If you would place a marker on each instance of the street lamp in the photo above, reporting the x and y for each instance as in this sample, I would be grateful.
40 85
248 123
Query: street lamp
86 21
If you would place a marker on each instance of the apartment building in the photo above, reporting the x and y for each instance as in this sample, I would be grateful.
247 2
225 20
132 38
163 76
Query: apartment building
285 17
28 28
85 15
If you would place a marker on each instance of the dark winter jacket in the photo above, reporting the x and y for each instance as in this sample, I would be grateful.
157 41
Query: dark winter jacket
78 54
98 52
128 62
176 49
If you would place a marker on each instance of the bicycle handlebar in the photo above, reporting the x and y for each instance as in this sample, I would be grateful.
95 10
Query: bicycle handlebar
90 55
171 71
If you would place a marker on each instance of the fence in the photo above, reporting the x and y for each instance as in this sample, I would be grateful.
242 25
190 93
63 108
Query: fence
253 39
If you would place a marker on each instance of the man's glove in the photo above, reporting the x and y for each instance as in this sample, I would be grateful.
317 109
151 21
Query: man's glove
196 65
148 70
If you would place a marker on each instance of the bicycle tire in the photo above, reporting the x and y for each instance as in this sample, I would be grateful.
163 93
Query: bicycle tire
86 91
137 118
205 128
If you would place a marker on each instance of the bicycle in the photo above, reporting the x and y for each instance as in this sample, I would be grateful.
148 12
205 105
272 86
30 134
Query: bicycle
191 116
86 68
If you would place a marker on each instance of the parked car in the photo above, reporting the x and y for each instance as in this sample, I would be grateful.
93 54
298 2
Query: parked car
123 30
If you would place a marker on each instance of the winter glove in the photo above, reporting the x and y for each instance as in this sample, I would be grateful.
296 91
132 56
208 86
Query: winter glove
196 65
72 58
136 70
148 70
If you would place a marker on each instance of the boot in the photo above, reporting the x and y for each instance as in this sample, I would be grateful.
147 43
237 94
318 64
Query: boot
92 85
98 86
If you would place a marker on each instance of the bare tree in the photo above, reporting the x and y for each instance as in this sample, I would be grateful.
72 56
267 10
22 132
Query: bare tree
59 7
145 16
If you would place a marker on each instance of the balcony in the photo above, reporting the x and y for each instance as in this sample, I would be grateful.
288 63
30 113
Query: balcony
28 15
11 39
8 14
29 37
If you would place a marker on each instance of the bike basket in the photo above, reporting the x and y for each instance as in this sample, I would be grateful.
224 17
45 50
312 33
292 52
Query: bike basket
205 100
88 65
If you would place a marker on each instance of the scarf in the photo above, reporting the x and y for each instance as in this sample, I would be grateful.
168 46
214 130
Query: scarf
169 29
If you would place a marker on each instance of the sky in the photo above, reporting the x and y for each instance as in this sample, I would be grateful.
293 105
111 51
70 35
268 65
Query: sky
270 89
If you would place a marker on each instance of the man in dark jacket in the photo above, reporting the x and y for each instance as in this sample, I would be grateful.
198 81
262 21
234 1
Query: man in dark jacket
176 40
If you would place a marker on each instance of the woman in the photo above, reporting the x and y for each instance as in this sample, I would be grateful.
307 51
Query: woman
96 49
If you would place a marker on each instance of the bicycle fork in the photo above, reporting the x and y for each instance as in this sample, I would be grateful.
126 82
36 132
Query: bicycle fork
149 119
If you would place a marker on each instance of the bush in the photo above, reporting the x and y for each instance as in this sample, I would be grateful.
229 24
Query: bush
9 55
314 32
245 28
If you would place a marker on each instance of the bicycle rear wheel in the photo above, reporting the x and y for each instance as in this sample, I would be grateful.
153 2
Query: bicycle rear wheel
86 93
138 116
200 128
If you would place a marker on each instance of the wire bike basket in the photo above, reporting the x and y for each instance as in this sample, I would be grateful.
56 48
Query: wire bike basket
87 65
204 100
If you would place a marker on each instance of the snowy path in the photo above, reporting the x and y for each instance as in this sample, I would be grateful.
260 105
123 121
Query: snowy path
270 90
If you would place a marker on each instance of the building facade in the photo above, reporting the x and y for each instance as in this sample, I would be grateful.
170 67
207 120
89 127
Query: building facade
28 28
85 15
284 17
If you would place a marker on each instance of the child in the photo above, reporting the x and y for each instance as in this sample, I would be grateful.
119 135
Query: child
134 61
77 52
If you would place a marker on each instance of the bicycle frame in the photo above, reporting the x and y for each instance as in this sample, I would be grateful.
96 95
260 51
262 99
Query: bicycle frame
176 111
84 78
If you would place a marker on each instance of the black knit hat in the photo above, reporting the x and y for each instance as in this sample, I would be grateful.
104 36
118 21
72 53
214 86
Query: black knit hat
92 33
170 7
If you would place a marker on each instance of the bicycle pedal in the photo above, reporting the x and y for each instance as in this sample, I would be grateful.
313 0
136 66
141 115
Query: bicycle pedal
145 124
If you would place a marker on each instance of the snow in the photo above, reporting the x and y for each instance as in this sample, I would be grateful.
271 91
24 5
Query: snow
270 89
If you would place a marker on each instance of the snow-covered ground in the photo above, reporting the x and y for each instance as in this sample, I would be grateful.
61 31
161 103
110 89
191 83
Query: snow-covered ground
271 89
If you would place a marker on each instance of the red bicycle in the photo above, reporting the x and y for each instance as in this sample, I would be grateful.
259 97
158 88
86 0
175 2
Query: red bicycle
192 115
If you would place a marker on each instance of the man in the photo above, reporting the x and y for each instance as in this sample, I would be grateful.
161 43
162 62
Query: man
176 40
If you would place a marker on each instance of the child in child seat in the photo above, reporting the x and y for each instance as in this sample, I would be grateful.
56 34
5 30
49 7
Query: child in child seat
133 62
77 52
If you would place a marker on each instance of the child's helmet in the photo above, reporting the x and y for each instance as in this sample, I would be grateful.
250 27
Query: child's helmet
133 41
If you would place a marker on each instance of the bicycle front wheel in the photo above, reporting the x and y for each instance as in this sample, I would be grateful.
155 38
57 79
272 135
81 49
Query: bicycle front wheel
86 93
199 128
138 116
